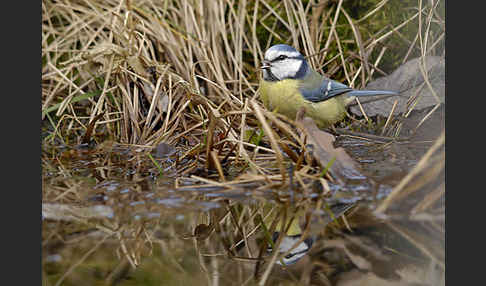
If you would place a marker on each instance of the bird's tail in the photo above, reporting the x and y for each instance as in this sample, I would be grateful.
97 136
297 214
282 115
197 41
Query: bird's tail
371 92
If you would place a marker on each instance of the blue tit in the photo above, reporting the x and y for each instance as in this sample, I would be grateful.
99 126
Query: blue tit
294 233
289 83
287 243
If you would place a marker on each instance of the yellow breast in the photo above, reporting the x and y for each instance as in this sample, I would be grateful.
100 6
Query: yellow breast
285 98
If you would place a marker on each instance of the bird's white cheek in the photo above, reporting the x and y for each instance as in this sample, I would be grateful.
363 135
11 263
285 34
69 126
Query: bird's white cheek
288 70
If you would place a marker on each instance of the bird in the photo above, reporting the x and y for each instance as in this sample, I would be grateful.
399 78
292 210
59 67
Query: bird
293 245
289 84
290 241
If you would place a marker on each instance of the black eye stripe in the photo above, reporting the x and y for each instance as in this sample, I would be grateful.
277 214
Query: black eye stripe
279 58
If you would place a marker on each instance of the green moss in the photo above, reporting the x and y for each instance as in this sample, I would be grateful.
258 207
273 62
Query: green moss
391 15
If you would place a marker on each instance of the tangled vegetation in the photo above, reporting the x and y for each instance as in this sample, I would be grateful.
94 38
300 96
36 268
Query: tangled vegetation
183 75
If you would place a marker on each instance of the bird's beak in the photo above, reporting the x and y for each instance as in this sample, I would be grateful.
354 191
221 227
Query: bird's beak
265 65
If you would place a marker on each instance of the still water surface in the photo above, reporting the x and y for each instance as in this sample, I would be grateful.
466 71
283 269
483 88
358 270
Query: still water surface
111 218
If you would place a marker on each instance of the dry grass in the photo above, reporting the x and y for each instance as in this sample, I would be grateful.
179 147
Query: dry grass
186 73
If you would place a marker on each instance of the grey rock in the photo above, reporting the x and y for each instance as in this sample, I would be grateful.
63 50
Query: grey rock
415 93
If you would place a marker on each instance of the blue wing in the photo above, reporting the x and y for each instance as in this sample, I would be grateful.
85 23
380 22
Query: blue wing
327 89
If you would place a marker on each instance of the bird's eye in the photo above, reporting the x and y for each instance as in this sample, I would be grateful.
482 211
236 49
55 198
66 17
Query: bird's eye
281 57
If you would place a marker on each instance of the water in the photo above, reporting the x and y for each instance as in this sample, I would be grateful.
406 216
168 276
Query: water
111 218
